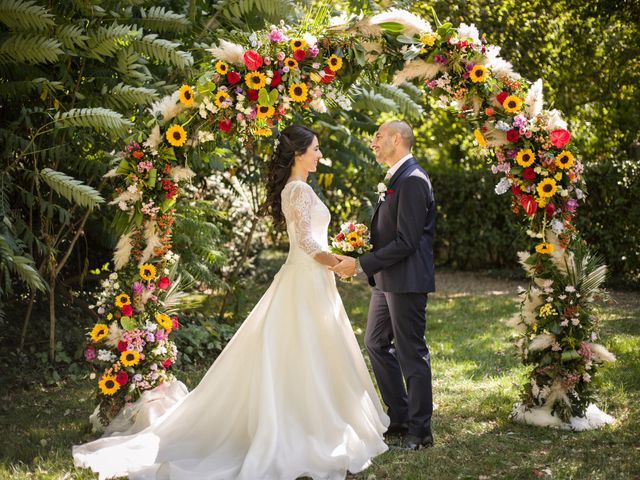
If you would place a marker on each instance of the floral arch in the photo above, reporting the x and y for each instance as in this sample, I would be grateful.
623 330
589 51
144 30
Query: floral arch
252 87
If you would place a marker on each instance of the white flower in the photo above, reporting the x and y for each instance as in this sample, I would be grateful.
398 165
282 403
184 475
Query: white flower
469 31
586 377
500 125
503 186
575 321
318 105
310 39
557 226
555 121
381 189
570 288
106 356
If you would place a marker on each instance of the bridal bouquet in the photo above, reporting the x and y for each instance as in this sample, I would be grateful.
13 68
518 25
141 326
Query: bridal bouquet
352 241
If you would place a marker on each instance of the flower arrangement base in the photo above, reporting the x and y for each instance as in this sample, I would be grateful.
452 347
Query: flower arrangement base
138 415
543 417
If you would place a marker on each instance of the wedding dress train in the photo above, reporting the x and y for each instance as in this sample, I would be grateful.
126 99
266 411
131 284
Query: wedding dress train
289 396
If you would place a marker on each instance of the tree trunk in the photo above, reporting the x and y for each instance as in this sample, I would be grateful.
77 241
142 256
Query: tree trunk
52 316
25 323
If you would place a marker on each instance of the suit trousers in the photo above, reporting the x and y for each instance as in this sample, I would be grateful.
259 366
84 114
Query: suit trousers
400 357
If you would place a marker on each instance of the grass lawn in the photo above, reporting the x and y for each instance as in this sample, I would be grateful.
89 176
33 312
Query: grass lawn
476 380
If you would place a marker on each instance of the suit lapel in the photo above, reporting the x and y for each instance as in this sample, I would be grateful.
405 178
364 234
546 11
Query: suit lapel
410 162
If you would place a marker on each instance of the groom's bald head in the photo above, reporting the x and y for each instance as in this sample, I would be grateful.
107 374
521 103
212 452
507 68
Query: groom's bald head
401 128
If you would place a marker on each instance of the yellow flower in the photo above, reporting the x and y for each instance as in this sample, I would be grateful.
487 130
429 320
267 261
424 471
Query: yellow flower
298 44
525 157
122 299
428 38
255 80
335 63
263 132
547 188
221 96
480 138
564 159
265 112
558 176
315 77
129 358
292 63
512 103
222 68
544 248
479 73
99 331
176 135
547 309
185 95
353 238
164 321
108 385
298 92
147 271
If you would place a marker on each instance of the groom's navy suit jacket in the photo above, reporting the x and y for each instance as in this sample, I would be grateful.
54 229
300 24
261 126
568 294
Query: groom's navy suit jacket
402 233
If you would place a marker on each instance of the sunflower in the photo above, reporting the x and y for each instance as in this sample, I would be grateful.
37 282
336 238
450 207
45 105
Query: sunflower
176 135
353 238
122 299
298 92
221 96
185 94
263 132
164 321
292 63
525 157
255 80
222 68
564 159
147 271
334 62
544 248
108 385
479 73
480 138
298 44
547 188
129 358
512 103
99 331
265 111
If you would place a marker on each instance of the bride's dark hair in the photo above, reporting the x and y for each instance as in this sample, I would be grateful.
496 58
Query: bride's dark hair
293 140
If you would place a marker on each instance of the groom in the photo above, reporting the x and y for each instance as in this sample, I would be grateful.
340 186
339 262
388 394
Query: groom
401 271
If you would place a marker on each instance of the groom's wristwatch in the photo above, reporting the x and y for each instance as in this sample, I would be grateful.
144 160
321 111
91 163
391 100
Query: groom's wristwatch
358 267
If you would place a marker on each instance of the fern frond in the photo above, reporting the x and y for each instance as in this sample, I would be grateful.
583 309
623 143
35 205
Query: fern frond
71 189
126 96
12 89
101 119
105 42
161 20
163 51
402 99
29 48
72 36
369 100
21 265
132 66
414 92
25 15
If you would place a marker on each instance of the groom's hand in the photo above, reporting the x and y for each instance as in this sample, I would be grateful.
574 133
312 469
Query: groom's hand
346 267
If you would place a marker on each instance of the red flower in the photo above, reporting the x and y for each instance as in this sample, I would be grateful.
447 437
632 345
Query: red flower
352 227
233 77
127 310
515 189
488 111
252 95
166 363
560 137
502 96
529 173
513 135
225 125
252 60
340 236
529 204
138 154
163 283
551 208
390 191
122 346
328 75
174 322
276 79
299 54
122 378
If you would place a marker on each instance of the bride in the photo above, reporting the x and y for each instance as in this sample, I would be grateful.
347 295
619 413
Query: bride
290 395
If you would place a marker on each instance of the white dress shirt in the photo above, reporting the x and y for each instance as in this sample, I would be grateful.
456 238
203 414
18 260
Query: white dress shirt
397 165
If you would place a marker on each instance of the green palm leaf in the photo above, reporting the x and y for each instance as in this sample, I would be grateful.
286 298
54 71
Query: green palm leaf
71 189
100 119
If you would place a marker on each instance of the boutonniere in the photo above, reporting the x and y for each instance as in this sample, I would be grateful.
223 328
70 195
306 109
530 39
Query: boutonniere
383 191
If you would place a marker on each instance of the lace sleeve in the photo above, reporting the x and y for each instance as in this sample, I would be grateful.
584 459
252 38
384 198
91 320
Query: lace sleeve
301 200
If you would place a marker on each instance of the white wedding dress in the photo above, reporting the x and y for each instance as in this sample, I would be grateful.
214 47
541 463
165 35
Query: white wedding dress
289 396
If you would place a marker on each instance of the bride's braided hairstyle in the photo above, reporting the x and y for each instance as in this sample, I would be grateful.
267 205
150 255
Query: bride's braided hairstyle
293 140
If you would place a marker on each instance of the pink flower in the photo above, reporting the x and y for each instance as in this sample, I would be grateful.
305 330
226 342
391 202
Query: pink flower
313 51
175 323
559 137
252 60
276 35
90 352
137 288
280 56
163 283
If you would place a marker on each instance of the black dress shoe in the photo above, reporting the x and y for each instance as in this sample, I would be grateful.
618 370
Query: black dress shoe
396 430
413 442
